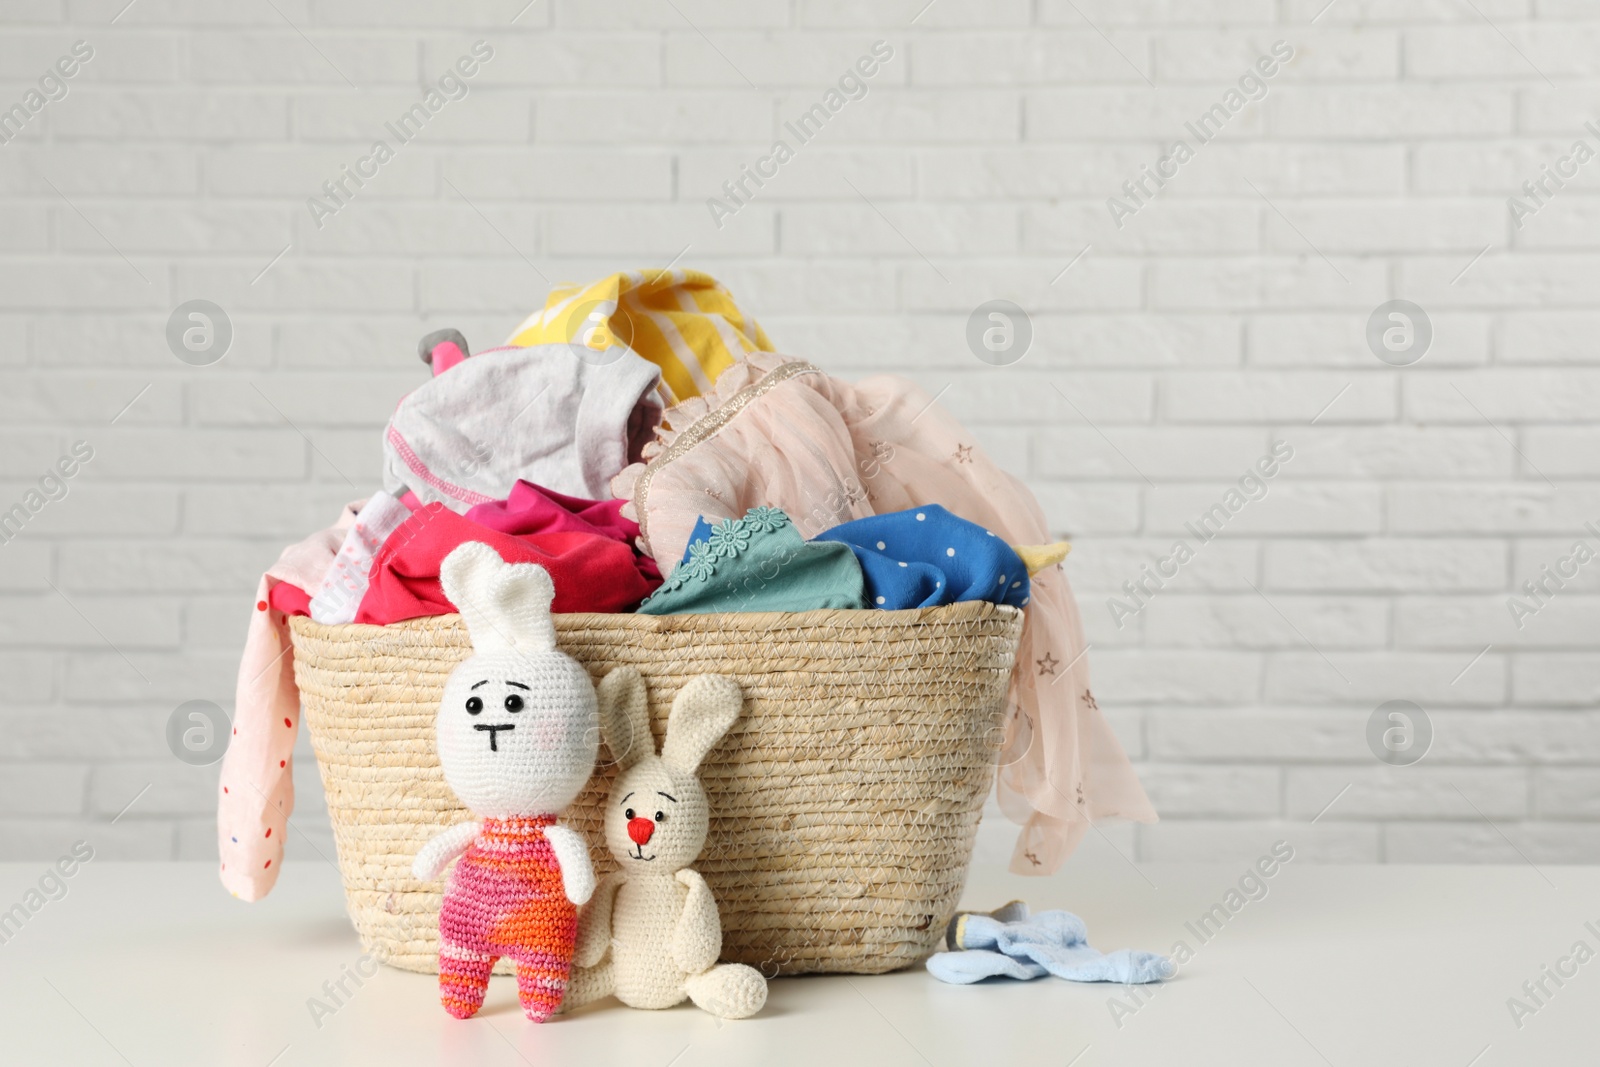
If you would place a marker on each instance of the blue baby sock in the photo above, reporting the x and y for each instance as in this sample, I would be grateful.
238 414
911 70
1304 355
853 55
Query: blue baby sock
1052 942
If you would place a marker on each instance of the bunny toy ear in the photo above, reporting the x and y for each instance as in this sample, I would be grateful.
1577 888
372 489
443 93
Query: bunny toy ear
702 712
625 717
505 605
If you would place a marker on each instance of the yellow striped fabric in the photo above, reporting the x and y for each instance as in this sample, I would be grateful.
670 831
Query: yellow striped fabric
683 321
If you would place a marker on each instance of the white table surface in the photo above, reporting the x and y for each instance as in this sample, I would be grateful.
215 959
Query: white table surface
149 964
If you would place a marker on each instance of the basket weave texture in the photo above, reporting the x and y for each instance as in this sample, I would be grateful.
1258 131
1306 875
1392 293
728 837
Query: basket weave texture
844 800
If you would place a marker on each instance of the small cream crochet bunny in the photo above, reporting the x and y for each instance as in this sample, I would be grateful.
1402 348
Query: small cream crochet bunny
651 934
518 732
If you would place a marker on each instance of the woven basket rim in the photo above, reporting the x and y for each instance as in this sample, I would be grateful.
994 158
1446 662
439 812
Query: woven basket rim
962 612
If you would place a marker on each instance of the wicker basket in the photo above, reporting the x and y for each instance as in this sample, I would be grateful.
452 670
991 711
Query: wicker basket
844 801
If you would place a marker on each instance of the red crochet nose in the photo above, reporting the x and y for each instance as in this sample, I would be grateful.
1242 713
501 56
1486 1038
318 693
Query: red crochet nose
640 830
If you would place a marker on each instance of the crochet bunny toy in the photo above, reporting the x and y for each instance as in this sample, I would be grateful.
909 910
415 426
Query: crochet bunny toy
652 935
517 738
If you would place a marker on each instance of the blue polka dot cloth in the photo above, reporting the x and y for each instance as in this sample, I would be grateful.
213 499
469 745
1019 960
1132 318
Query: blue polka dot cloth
926 556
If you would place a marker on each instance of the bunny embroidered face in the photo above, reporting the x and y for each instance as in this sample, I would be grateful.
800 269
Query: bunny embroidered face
657 818
518 727
657 815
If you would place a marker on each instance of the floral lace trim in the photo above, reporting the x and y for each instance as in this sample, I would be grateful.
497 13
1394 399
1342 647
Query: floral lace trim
729 538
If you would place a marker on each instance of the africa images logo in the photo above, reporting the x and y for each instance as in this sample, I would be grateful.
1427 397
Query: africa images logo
53 87
452 85
1254 485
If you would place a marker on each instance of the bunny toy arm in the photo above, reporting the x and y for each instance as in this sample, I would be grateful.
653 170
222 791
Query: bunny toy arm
594 922
697 939
441 849
577 872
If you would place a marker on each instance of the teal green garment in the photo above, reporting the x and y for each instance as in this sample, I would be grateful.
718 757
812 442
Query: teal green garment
758 563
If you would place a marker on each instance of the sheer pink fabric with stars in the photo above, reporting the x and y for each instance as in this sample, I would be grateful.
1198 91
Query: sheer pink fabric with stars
780 433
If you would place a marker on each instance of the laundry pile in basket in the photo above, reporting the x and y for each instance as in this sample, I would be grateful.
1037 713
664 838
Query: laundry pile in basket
641 441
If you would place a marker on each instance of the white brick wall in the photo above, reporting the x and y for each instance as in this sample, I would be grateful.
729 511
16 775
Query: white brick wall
1226 314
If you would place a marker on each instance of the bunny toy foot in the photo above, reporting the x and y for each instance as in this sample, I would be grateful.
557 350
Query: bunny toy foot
517 738
652 935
